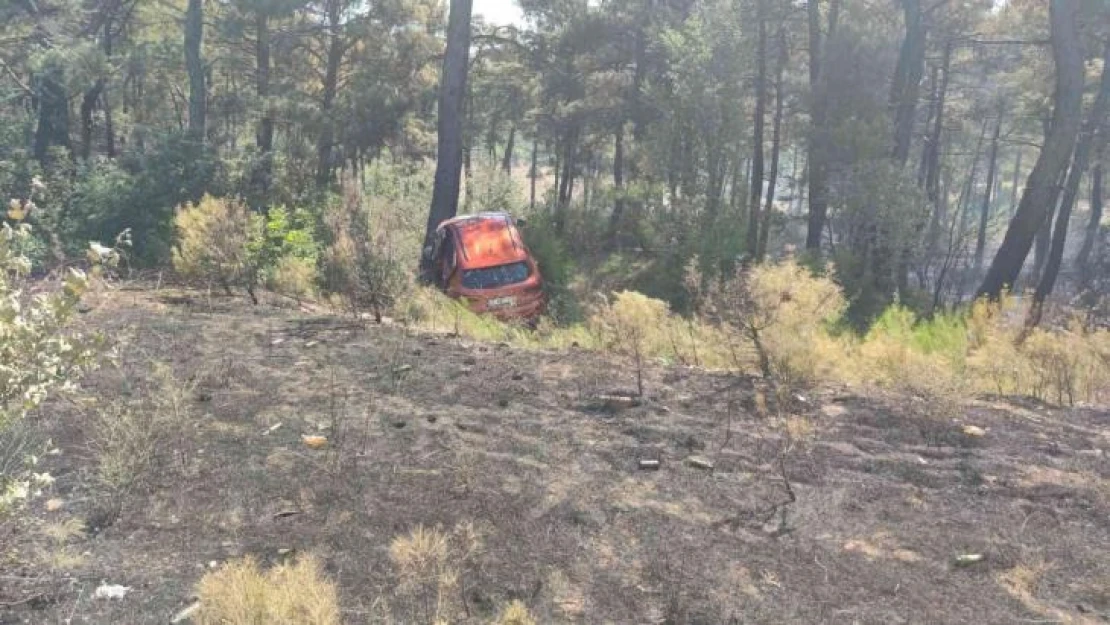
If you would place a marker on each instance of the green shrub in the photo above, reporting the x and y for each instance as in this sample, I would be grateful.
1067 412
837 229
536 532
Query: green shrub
218 243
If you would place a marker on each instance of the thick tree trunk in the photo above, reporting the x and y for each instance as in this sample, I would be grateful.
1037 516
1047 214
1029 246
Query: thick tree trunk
776 143
1040 189
907 80
985 211
818 151
1090 235
194 65
452 93
336 50
756 193
1095 121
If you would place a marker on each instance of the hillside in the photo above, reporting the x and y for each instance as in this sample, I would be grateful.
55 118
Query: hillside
435 430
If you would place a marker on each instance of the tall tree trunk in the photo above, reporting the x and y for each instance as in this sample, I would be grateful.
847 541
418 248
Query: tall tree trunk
88 104
818 137
776 142
336 50
452 93
109 126
53 118
510 144
1040 189
533 173
1090 235
1095 120
194 65
1015 181
934 102
265 136
1042 242
618 183
932 165
756 193
907 80
985 212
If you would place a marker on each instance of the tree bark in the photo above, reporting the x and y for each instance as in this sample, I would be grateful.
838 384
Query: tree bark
816 160
985 211
1090 235
756 192
776 142
907 80
53 118
88 104
1015 182
533 173
452 93
510 144
618 183
1040 189
336 50
265 138
1095 121
194 65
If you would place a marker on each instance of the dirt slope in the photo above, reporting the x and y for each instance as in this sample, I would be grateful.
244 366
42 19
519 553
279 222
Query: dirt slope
435 430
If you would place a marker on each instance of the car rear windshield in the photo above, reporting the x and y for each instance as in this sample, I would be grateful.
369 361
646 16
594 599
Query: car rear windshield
494 277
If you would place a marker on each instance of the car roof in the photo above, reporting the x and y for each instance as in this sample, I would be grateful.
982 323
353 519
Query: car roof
487 239
482 216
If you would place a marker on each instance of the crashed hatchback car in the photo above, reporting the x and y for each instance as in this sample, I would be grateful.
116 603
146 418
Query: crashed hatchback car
482 259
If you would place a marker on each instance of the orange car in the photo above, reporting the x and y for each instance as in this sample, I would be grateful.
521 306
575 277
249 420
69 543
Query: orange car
482 259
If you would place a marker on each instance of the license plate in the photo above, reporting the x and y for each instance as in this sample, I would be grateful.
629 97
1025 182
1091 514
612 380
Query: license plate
501 302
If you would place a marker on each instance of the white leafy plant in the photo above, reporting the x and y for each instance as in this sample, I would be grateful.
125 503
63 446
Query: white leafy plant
39 353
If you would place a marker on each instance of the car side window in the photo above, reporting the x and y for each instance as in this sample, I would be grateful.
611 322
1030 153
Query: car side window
447 257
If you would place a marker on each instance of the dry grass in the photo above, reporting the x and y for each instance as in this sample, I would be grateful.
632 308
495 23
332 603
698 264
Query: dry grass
516 613
430 565
240 593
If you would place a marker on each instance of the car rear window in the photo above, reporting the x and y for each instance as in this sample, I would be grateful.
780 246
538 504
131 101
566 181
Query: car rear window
494 277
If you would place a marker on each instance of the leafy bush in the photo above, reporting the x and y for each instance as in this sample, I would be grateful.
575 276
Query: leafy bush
38 354
239 593
218 243
556 265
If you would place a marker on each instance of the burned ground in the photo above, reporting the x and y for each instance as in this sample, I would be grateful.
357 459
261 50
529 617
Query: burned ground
435 430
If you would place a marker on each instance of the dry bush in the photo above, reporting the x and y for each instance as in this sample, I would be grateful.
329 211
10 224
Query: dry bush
130 437
239 593
782 311
1064 364
358 265
431 565
642 328
214 240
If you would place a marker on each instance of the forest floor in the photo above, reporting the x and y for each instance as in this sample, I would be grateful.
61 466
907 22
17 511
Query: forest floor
436 430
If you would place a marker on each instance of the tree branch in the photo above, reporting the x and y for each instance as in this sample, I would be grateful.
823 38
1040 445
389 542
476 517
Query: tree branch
15 77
